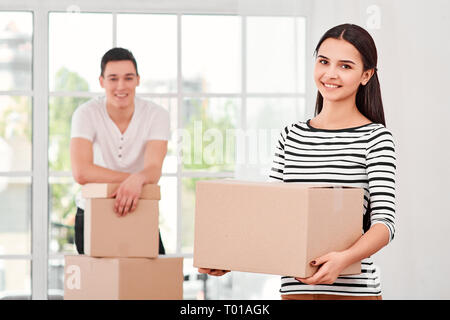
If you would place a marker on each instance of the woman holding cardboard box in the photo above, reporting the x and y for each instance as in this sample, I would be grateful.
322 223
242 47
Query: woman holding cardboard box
118 138
345 144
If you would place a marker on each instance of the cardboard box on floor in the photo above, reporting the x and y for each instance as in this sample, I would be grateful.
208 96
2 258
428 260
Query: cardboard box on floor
133 235
89 278
274 228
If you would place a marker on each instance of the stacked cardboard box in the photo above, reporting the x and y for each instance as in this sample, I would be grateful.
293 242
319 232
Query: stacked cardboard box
274 228
121 252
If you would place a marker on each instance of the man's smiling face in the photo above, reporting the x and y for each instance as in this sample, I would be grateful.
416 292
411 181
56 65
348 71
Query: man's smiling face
120 80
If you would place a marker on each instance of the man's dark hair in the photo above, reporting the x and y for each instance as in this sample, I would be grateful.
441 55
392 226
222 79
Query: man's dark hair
117 54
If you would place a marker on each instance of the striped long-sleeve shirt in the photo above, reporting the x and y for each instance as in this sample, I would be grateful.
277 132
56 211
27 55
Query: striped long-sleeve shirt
362 157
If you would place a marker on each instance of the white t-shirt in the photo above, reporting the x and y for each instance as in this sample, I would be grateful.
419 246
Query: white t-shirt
112 149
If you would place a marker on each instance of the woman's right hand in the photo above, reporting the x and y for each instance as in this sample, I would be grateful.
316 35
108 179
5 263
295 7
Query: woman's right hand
213 272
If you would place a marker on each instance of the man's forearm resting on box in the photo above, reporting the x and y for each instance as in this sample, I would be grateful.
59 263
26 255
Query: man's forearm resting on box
85 171
83 168
129 191
91 173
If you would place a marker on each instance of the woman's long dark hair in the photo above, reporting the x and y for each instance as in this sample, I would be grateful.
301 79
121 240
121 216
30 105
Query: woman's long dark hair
368 97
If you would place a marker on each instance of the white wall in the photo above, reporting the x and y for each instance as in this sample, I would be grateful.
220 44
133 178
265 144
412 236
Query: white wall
414 69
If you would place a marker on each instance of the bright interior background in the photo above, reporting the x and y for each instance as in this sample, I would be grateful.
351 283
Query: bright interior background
261 86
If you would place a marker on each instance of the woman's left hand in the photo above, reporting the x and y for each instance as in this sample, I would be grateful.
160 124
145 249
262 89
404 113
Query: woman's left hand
331 266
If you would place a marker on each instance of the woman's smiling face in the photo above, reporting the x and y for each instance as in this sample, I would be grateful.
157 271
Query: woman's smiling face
339 70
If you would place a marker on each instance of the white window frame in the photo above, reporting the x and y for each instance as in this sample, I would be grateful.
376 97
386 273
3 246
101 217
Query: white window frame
40 95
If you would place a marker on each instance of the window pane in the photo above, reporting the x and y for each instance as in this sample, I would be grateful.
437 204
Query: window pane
265 119
60 117
170 104
208 136
16 34
56 279
15 133
15 217
62 210
15 279
301 54
168 213
219 288
274 113
195 283
199 286
188 212
156 56
211 49
270 54
77 42
187 226
255 286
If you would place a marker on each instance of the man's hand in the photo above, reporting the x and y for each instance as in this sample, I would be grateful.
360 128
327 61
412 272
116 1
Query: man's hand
128 193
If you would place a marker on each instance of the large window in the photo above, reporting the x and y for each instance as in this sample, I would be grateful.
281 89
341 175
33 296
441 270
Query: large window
16 105
229 82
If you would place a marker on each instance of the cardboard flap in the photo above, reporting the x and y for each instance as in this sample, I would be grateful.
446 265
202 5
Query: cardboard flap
106 190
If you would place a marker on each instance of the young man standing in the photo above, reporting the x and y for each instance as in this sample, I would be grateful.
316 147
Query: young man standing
118 138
